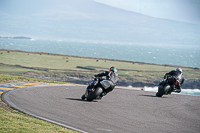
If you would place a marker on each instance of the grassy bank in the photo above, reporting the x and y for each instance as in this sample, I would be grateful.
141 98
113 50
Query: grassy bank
12 121
16 79
24 63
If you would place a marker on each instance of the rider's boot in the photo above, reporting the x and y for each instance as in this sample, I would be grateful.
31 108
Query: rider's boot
178 89
103 94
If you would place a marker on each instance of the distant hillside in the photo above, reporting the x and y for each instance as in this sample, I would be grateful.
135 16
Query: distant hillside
89 20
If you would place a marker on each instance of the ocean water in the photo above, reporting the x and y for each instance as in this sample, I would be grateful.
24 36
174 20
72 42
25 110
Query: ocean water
195 92
181 55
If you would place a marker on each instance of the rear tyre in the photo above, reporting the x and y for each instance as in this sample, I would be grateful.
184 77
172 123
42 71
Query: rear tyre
162 90
159 94
94 94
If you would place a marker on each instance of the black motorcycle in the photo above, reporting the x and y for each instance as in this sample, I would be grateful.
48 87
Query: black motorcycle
167 86
95 89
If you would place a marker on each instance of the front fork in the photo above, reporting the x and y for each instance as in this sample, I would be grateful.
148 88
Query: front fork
89 88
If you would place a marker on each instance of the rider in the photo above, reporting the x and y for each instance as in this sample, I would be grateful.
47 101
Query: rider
112 76
178 73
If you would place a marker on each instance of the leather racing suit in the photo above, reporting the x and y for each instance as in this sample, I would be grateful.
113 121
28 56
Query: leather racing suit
112 77
178 75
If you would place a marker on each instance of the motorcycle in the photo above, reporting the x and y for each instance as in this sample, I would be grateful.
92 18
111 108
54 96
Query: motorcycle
95 89
167 86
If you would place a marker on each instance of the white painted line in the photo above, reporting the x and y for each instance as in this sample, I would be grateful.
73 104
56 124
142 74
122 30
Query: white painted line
102 129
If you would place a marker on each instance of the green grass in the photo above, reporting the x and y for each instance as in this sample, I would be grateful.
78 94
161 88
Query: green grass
18 63
12 79
14 69
15 122
59 62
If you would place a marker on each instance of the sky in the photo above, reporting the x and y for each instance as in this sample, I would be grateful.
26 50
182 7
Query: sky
179 10
110 20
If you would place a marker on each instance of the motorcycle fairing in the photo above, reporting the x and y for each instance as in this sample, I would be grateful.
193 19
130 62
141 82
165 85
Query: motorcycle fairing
105 83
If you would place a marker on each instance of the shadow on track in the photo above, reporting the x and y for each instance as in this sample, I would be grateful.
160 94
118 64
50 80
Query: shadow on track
152 96
148 95
76 99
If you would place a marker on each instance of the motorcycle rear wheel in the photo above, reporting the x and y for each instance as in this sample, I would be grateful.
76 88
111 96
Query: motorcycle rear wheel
94 94
162 91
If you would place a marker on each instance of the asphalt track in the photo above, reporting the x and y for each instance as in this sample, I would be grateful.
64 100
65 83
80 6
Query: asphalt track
121 111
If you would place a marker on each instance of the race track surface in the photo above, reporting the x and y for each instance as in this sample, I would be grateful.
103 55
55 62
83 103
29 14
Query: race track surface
121 111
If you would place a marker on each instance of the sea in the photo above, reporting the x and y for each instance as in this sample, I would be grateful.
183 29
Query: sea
163 54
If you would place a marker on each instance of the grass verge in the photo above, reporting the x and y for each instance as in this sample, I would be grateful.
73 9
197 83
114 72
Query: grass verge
14 121
16 79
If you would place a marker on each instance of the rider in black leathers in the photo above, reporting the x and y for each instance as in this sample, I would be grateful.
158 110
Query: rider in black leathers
112 76
179 75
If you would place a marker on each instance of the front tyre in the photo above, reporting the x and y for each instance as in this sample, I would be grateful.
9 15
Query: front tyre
94 94
83 97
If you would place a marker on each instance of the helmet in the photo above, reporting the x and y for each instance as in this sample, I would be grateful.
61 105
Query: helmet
179 69
113 69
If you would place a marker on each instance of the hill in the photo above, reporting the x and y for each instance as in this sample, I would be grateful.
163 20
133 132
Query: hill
89 20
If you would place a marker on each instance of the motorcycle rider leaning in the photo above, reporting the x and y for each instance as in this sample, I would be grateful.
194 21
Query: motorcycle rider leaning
111 76
178 73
